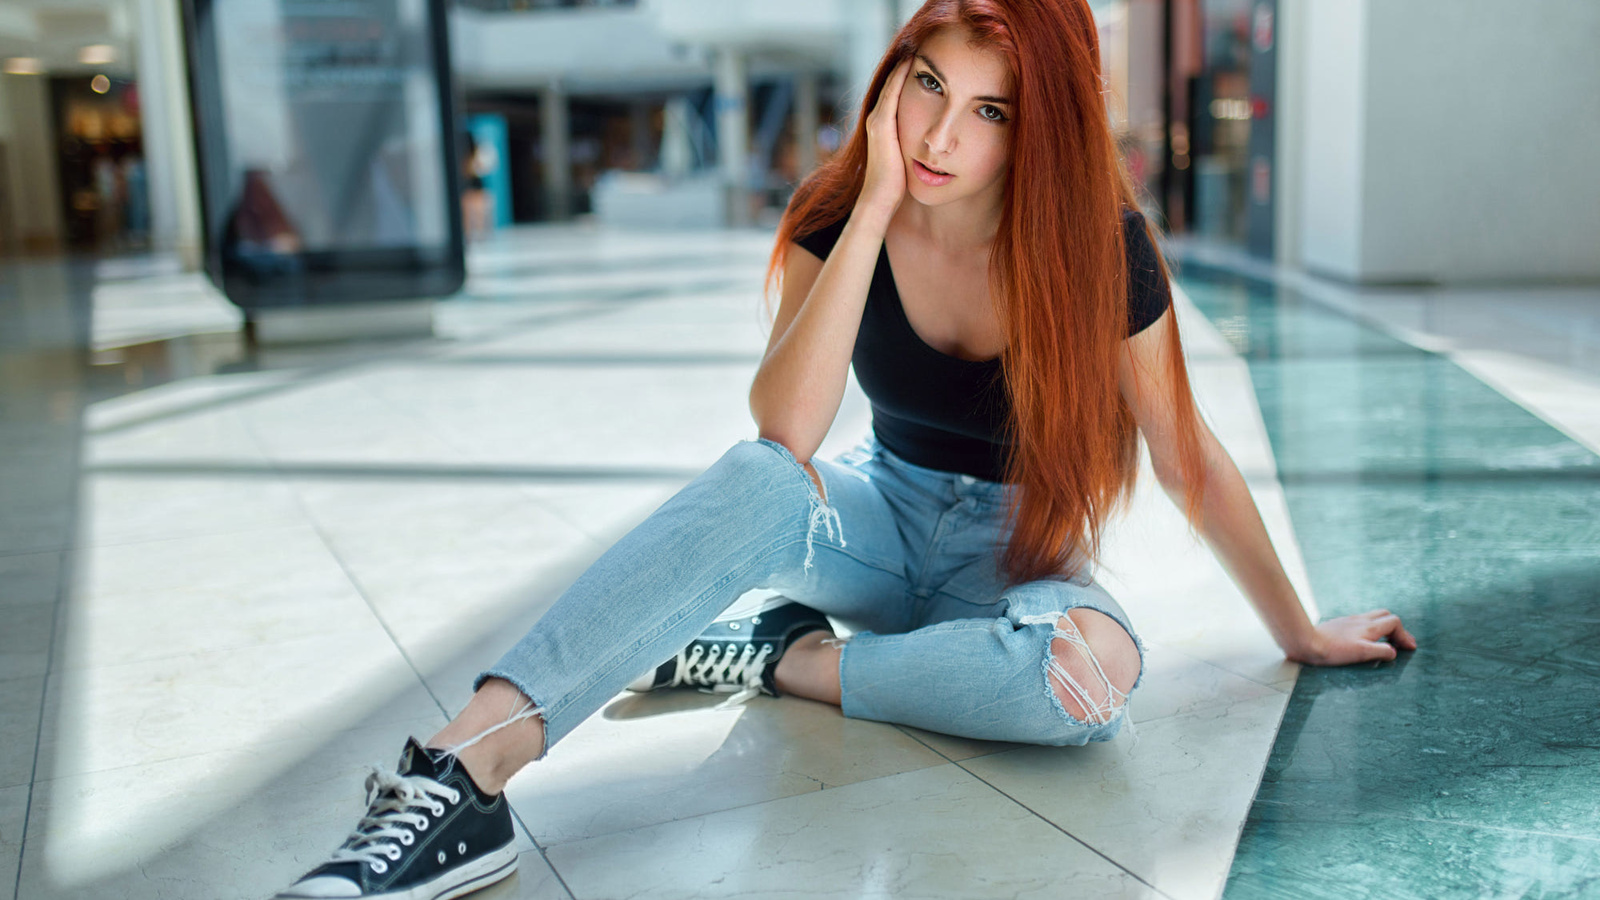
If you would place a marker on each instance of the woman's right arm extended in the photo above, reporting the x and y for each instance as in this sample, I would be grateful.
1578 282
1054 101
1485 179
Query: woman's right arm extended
801 381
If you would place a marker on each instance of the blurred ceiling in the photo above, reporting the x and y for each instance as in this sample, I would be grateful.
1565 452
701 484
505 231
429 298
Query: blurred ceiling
55 31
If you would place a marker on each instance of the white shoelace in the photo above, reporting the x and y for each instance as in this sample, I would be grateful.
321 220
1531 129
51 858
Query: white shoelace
392 801
723 669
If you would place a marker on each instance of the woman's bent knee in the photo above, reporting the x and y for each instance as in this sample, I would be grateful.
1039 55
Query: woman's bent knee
758 462
1093 666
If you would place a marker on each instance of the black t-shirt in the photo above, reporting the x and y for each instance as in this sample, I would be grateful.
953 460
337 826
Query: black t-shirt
940 411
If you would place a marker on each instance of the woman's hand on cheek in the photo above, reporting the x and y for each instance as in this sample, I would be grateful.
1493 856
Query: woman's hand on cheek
1357 638
885 183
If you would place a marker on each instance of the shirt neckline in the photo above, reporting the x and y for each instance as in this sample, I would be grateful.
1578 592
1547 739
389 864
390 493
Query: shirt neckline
900 314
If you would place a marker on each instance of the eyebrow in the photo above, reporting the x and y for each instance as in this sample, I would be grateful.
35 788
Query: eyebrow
940 75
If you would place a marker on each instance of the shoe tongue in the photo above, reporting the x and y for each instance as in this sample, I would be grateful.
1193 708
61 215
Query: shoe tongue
414 760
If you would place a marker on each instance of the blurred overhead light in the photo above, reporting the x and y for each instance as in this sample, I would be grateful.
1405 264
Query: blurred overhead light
23 65
100 84
97 55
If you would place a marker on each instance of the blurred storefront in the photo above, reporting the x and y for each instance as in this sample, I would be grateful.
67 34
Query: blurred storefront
1193 94
1435 140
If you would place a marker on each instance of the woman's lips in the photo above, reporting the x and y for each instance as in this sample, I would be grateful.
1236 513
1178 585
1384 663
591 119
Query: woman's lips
928 176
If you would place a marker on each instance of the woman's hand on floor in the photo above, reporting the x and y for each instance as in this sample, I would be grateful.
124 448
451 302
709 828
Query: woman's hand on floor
1357 638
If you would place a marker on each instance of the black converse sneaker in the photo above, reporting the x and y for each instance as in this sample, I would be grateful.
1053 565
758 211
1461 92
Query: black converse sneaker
429 834
739 652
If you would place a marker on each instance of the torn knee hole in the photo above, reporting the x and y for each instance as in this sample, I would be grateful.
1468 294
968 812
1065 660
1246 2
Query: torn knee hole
1094 663
823 517
816 479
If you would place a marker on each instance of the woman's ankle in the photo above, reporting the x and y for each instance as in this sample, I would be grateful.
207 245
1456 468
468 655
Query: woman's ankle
810 668
498 733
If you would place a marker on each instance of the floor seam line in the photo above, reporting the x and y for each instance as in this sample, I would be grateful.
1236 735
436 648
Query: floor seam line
349 576
63 584
1085 844
713 812
543 854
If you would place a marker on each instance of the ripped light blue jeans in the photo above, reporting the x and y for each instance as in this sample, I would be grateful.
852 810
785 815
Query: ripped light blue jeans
904 553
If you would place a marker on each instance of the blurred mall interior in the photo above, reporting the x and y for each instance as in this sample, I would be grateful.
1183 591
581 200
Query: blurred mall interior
338 336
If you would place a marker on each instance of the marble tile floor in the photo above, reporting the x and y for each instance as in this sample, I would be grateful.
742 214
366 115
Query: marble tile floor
230 578
1469 768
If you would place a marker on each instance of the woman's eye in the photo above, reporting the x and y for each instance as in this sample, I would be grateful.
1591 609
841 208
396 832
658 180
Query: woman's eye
928 82
992 113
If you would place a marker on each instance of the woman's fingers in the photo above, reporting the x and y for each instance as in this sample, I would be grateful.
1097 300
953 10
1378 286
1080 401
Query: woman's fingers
1383 624
890 100
885 184
1381 650
1390 627
888 105
1406 639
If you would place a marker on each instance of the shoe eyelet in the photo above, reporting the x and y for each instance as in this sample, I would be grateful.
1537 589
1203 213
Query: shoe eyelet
379 866
392 852
755 620
441 857
422 824
461 848
455 798
438 810
734 626
407 838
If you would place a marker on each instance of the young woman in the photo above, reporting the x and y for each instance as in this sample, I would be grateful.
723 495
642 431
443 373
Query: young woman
976 253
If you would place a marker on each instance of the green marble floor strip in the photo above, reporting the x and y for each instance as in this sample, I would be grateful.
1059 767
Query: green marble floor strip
1470 768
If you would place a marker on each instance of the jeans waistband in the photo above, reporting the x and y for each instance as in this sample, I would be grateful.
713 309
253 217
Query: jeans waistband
963 486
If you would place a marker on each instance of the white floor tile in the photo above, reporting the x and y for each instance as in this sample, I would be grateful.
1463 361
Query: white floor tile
19 728
933 833
208 593
244 822
1168 807
117 508
457 587
111 717
29 579
647 759
25 639
1176 683
956 748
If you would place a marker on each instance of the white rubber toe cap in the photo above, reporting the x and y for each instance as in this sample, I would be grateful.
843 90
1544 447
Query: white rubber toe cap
321 887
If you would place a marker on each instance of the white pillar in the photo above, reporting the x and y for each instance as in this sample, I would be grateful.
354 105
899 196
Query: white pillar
806 121
733 133
556 144
1290 123
31 187
639 133
172 178
677 150
872 24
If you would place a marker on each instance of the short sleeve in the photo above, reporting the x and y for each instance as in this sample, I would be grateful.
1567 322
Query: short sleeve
1149 295
821 241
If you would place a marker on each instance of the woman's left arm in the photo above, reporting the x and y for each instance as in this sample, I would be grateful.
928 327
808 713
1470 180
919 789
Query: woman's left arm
1231 525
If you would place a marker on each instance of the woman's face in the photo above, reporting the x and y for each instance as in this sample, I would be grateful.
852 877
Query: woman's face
954 121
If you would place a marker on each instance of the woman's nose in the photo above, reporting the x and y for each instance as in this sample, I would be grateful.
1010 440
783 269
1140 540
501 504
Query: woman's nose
941 136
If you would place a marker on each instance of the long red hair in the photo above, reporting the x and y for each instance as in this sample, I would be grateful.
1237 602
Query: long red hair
1057 272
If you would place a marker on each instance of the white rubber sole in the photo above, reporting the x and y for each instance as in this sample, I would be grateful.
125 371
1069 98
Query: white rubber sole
482 872
458 882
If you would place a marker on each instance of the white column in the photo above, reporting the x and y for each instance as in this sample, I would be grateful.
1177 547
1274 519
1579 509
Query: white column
872 24
556 146
172 177
677 150
1292 39
31 182
805 121
733 132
